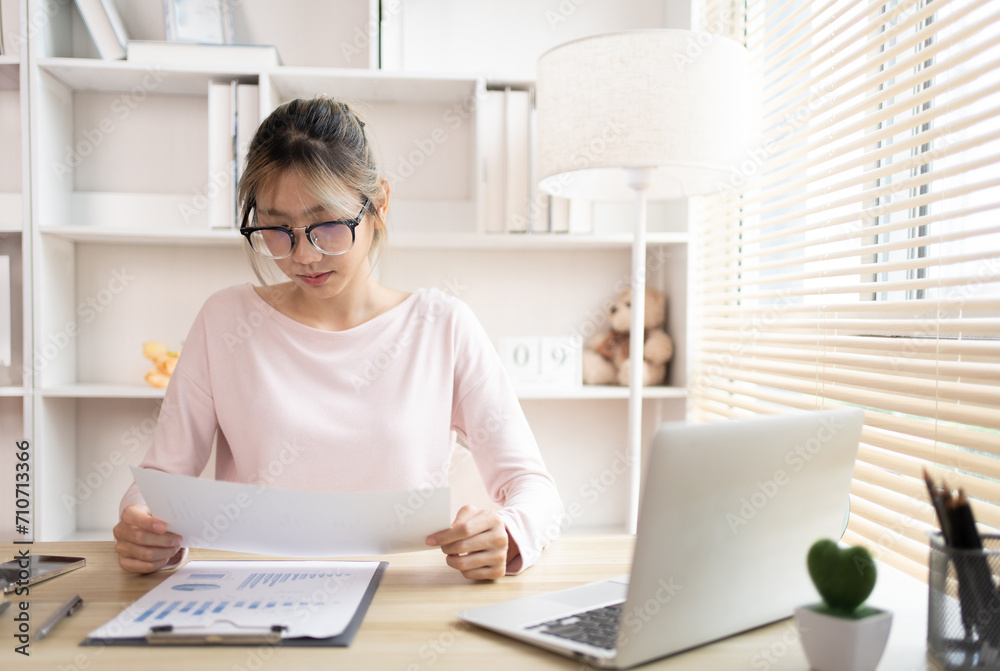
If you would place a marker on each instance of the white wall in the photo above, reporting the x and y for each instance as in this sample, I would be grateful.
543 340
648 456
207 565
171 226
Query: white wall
505 41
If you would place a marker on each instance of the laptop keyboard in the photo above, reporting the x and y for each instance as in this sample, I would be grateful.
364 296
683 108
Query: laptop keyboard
598 627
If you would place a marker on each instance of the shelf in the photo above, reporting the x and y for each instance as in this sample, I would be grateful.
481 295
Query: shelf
528 241
100 391
136 202
457 241
525 393
10 76
10 212
594 392
112 235
372 85
91 74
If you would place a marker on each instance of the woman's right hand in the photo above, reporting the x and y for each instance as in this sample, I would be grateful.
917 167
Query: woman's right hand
143 543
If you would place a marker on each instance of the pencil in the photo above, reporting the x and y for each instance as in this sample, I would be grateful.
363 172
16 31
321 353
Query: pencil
940 507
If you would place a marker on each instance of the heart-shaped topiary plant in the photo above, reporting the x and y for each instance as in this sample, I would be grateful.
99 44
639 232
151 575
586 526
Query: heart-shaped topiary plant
844 577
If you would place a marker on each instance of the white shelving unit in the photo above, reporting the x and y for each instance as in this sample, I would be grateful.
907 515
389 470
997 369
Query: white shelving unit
15 398
116 150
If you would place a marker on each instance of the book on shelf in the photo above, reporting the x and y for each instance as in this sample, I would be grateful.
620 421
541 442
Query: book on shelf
247 120
506 138
492 111
558 214
242 56
9 30
581 216
105 27
233 117
6 336
222 154
517 136
568 215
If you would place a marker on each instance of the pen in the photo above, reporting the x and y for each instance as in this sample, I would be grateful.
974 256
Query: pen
68 608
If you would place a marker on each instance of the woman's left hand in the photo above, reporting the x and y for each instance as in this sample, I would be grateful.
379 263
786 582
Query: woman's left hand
476 544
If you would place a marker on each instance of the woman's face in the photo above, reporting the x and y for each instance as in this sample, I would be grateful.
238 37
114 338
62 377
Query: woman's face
319 275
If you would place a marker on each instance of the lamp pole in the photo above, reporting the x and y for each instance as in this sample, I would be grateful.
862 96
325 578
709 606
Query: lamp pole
639 180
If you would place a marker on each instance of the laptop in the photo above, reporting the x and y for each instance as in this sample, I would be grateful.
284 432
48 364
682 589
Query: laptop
729 511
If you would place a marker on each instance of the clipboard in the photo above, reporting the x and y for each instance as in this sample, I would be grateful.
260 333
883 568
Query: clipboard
275 634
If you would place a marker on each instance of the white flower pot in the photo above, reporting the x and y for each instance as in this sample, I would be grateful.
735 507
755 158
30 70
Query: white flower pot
834 643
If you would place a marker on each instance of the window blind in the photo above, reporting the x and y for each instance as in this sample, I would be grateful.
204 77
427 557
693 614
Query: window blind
854 258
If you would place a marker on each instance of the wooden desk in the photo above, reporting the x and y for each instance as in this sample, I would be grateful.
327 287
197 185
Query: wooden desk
411 624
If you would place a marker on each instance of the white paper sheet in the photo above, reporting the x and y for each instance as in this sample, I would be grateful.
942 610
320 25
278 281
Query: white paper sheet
311 598
292 523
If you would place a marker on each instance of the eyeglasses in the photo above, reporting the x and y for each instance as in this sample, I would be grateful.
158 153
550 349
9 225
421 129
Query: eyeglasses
277 242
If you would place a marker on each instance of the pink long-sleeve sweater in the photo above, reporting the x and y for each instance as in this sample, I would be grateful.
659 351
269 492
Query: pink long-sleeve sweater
369 408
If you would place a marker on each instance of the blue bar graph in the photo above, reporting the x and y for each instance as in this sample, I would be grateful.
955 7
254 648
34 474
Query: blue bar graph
151 610
166 611
265 580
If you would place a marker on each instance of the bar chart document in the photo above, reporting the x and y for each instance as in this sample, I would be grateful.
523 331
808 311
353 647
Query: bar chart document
311 599
292 523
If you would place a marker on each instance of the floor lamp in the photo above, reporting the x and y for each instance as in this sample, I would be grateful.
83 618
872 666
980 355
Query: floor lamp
646 114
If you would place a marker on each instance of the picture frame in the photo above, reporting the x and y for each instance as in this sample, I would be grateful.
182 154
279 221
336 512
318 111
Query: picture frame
201 21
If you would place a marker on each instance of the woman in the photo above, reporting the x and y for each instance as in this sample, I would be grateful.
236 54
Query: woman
365 382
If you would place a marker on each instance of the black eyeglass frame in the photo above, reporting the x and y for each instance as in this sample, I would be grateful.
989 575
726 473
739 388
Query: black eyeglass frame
247 231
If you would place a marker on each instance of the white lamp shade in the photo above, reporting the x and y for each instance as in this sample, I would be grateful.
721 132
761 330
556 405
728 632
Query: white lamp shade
673 100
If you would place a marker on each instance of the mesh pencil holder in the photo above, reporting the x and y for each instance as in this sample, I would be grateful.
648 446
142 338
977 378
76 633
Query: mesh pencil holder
963 608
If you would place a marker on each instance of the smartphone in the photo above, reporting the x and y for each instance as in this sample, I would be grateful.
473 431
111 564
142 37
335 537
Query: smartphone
40 567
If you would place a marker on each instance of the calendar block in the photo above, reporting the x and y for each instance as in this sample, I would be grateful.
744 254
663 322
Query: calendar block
545 361
521 356
561 362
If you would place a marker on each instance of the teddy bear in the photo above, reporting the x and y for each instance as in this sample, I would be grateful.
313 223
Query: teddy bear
606 354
